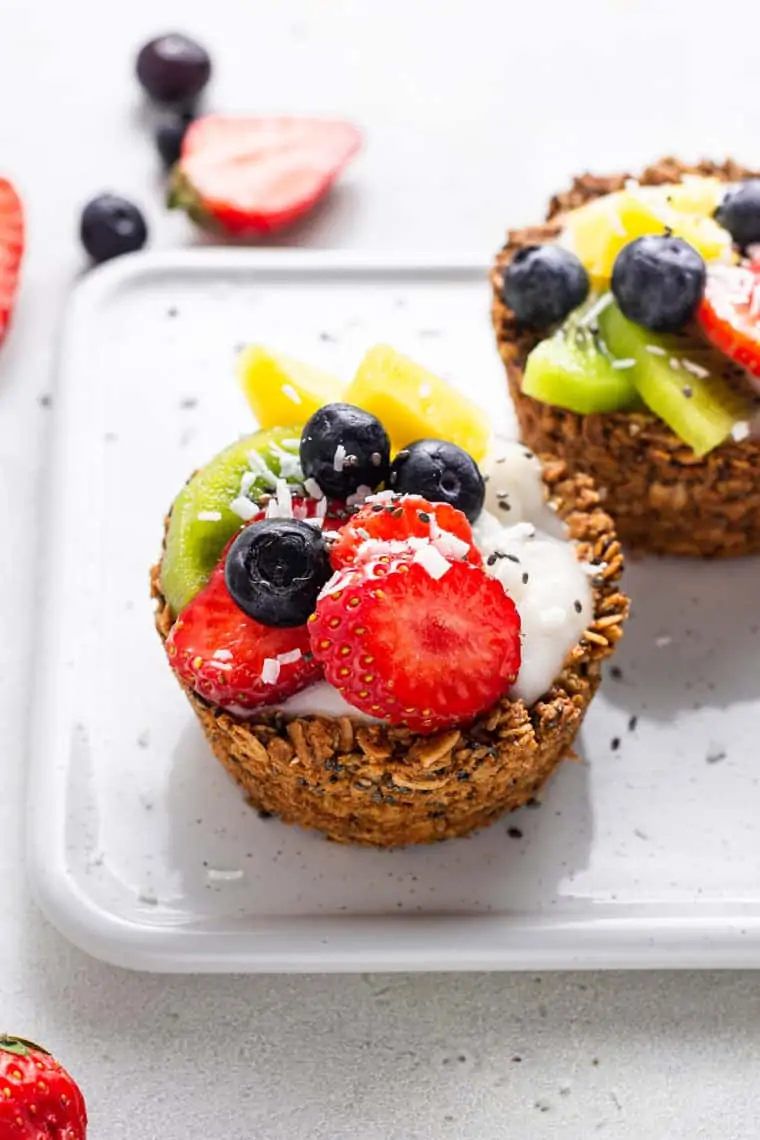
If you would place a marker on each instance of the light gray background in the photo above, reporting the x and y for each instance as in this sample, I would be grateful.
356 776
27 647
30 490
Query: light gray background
473 111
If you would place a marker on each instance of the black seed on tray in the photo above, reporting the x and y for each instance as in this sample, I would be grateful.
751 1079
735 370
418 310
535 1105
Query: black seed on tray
504 506
577 606
514 833
715 756
525 578
634 720
327 337
45 400
188 402
616 673
615 743
172 312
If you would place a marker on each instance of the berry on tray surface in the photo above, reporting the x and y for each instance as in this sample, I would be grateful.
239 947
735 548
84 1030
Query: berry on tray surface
173 68
255 175
232 660
275 569
442 472
543 284
344 448
11 250
420 640
111 226
40 1100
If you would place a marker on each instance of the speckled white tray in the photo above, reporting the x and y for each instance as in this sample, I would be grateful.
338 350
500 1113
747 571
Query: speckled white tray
647 853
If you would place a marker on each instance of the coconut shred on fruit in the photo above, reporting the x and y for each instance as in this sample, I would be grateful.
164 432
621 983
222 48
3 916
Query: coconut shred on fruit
649 300
384 560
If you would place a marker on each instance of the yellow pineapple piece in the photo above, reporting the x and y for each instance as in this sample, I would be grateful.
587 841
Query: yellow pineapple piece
413 403
281 390
599 230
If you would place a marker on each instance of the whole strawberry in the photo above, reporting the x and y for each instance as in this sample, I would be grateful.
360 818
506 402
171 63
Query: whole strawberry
38 1098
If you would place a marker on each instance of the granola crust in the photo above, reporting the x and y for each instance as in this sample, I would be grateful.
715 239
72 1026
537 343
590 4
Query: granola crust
663 498
384 786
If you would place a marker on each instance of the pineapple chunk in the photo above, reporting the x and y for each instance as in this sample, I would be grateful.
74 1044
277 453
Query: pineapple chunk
413 404
280 390
598 231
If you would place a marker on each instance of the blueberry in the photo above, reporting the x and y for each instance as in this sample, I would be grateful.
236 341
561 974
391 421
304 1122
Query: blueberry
658 281
344 448
111 226
275 569
739 212
173 68
543 284
170 134
440 472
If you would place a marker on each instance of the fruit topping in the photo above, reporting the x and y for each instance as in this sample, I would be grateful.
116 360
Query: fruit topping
11 250
173 68
275 569
280 390
543 284
216 501
730 314
599 230
442 473
111 226
231 659
413 403
255 175
739 212
679 379
343 449
574 369
427 643
39 1100
658 282
407 522
170 134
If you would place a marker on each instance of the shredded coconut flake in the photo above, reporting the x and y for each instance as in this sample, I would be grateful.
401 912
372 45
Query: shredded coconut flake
270 671
655 350
381 497
432 561
260 468
695 369
243 508
360 496
289 658
449 545
246 482
598 307
740 431
628 362
312 487
209 516
674 362
425 390
339 459
289 391
321 509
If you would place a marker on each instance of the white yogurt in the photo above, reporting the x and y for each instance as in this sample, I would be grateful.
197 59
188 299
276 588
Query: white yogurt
525 546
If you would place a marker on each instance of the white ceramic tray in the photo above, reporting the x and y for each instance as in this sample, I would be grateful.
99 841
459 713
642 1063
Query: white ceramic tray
647 853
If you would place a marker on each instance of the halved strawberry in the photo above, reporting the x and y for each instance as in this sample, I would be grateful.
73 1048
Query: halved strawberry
416 643
232 660
730 314
397 519
11 250
255 175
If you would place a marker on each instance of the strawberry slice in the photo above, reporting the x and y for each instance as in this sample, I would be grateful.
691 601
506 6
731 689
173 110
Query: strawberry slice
256 175
233 661
395 520
417 641
11 250
730 314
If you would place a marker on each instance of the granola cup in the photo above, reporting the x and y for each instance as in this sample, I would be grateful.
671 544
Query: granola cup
664 499
385 786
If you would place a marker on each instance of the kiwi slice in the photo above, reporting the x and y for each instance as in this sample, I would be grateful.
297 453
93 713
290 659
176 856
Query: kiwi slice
679 379
202 519
573 369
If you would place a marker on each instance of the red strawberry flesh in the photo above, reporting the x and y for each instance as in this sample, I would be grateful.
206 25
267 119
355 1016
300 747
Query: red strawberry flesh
399 519
409 648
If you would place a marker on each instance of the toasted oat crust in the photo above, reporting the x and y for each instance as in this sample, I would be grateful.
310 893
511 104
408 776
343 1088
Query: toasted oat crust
385 786
663 498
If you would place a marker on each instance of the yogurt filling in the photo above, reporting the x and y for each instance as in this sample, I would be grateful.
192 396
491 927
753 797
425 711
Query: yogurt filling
524 544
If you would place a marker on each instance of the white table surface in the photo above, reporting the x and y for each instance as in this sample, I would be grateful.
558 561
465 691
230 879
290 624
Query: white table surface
473 112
